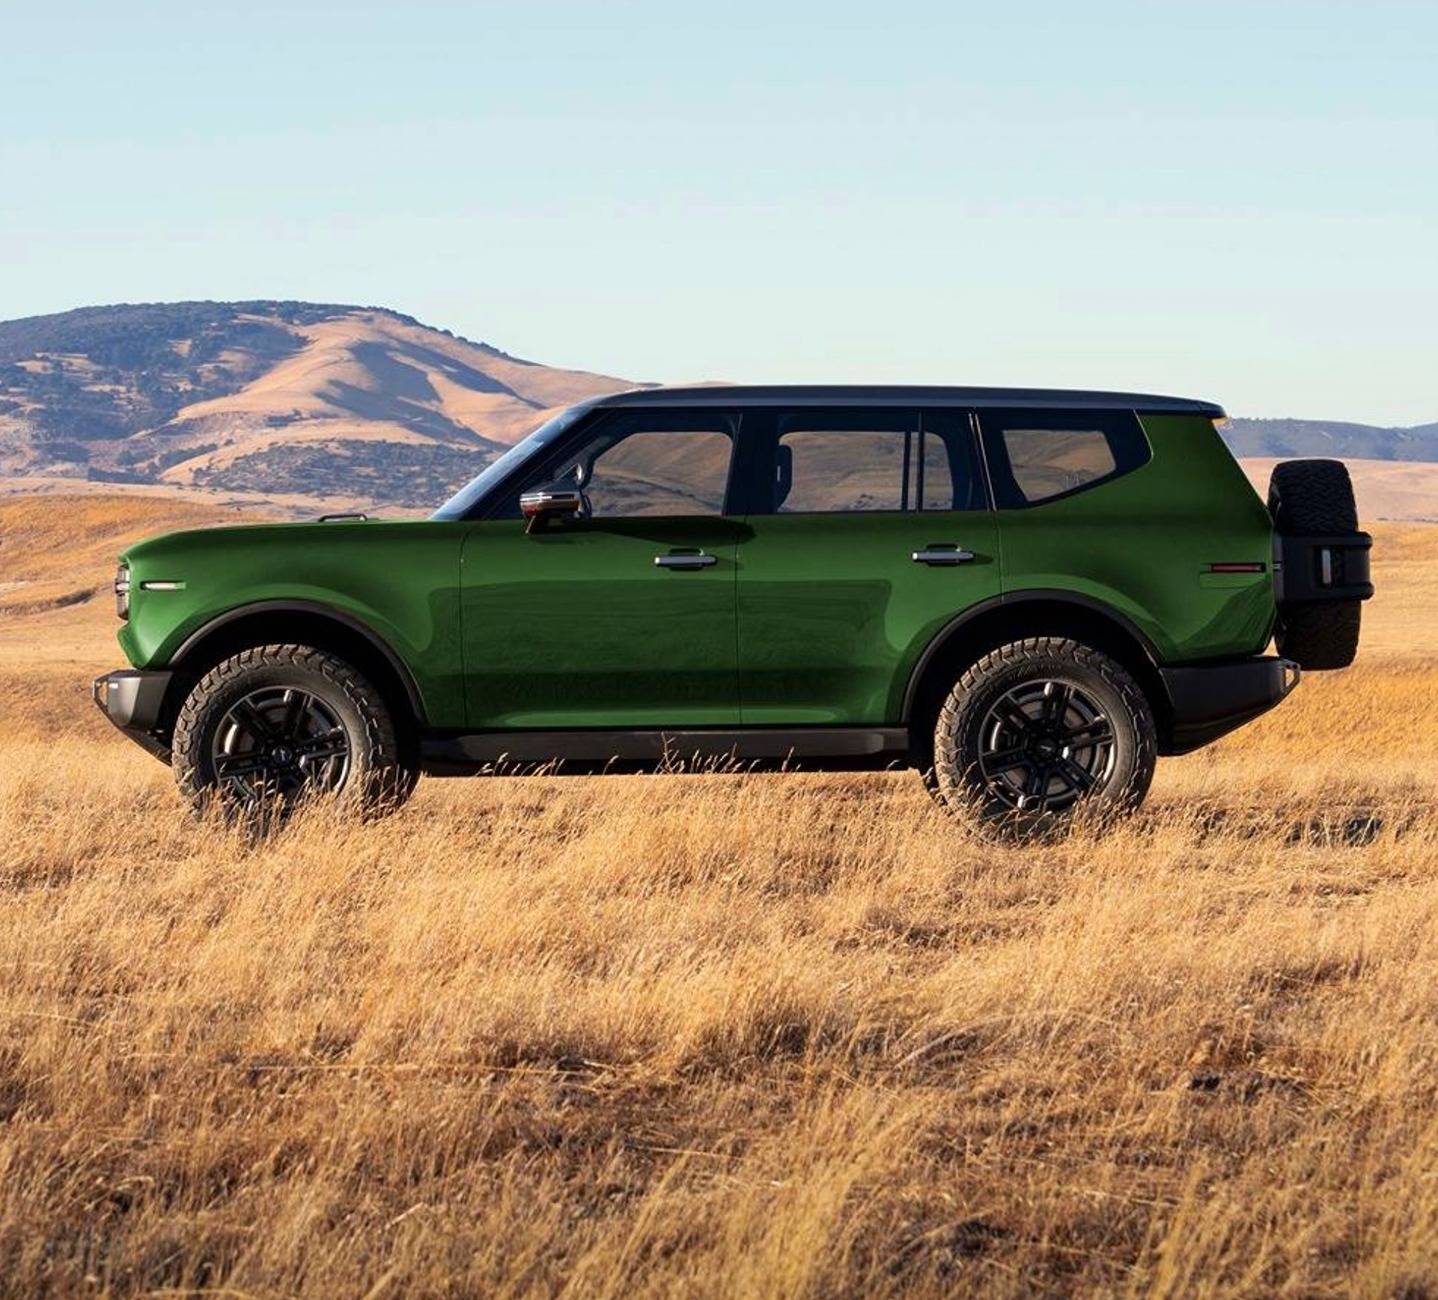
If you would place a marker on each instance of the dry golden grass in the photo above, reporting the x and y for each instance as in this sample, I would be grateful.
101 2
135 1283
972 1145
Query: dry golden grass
730 1036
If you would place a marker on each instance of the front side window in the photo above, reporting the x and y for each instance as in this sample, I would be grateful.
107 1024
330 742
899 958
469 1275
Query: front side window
471 496
660 472
834 461
1037 456
649 463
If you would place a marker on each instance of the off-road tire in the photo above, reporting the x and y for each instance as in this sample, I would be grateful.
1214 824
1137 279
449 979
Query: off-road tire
1319 637
380 776
1314 498
956 780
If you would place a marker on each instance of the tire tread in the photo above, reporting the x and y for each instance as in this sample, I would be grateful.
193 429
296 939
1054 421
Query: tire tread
1314 498
949 765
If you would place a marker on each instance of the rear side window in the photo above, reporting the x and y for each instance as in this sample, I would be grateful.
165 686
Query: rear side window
857 469
1037 456
835 461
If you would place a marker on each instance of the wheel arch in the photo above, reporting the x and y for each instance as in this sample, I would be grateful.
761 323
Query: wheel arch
1014 615
287 622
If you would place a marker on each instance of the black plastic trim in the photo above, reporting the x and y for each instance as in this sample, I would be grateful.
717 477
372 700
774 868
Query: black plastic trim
1016 600
315 607
574 752
134 701
1208 700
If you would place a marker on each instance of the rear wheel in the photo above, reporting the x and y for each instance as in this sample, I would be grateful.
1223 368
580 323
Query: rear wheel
276 724
1040 731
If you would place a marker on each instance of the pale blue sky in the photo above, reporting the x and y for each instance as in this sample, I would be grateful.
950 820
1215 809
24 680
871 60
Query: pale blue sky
1229 200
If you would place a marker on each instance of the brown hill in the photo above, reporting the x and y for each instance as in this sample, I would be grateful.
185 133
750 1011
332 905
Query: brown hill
271 397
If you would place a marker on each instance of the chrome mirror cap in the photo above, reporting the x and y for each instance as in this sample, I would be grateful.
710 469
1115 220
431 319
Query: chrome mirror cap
541 503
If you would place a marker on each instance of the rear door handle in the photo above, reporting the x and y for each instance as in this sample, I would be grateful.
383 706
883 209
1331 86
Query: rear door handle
943 553
685 560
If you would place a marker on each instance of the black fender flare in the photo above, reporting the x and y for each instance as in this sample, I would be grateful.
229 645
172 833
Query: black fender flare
317 609
1016 600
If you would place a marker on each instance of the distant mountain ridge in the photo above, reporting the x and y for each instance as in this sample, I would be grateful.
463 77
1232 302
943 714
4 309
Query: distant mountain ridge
1336 438
329 399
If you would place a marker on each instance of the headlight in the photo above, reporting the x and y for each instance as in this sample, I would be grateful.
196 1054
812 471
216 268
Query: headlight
122 591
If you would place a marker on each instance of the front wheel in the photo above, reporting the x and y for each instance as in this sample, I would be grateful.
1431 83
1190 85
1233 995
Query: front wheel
1041 731
275 724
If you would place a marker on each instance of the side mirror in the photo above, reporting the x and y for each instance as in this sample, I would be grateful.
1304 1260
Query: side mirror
552 501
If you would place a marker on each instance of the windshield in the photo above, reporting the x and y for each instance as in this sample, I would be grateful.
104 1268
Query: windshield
463 502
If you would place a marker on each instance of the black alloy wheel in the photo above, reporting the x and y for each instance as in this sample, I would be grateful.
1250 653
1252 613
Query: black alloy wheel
1044 745
279 743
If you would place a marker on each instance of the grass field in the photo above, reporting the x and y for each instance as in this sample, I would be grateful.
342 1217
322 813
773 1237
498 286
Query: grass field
733 1036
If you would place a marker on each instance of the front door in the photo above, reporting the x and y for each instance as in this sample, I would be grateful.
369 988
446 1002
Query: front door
869 533
623 618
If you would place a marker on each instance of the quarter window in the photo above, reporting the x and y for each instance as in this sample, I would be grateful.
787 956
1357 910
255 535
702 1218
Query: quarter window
1037 456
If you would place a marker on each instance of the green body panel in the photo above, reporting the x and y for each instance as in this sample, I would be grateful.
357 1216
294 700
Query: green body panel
399 578
834 612
1141 545
576 626
803 619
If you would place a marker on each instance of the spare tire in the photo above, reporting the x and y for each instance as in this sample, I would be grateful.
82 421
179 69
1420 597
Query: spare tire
1314 499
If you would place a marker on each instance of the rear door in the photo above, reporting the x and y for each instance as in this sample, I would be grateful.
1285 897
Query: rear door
868 530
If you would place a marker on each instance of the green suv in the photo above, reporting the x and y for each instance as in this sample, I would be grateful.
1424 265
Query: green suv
1026 595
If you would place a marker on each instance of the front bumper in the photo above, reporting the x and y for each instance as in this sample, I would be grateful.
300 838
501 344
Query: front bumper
134 701
1207 701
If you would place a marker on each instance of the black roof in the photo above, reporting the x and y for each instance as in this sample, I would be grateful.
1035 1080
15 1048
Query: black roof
887 394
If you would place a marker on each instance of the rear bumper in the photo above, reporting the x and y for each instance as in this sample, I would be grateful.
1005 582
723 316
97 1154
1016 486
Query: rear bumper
134 701
1209 700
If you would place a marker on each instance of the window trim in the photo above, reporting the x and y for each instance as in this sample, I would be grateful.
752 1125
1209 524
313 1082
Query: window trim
977 465
1004 491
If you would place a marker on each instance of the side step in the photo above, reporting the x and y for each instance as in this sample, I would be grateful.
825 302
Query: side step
812 748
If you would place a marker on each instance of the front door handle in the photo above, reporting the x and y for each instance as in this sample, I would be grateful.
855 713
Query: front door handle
943 553
685 560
